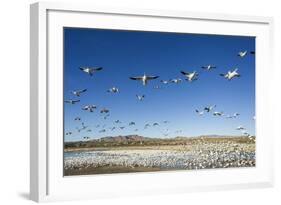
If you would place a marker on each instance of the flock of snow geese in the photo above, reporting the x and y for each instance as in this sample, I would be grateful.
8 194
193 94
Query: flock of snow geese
144 79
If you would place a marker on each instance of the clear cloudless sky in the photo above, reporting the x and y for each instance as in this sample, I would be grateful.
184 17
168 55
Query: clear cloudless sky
124 54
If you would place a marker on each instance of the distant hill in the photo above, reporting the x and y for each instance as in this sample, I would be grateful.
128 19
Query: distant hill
137 140
121 138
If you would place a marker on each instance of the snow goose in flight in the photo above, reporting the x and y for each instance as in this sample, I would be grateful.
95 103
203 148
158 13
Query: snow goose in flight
218 113
78 129
231 74
90 70
140 97
68 133
233 116
199 112
144 78
132 123
106 116
113 90
104 110
89 108
176 80
155 124
229 117
103 130
240 128
122 128
190 76
210 108
83 126
242 54
77 119
117 121
78 92
146 126
72 101
164 81
208 67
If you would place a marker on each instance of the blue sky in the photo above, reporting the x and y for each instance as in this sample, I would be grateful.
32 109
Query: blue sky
123 54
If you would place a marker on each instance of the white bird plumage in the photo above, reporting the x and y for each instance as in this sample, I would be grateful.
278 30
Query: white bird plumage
144 79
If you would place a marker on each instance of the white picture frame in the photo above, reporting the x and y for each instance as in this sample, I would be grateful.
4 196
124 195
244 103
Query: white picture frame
46 179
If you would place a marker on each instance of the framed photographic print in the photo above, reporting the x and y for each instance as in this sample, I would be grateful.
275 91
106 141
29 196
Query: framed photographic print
128 102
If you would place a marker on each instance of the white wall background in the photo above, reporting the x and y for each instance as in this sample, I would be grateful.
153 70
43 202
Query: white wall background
14 103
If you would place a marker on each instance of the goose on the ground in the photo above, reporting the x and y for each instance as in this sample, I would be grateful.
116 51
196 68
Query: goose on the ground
144 79
190 76
242 54
78 92
140 97
89 108
90 70
113 90
231 74
72 101
208 67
